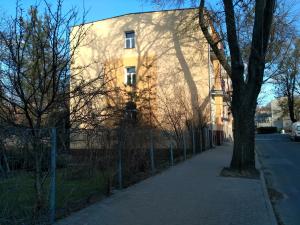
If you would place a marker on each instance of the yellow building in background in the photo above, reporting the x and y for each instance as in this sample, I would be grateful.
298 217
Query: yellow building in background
161 59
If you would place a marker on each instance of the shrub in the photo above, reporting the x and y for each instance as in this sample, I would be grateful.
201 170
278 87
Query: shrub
266 130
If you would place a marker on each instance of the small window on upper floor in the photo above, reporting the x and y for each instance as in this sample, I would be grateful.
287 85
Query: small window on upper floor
130 76
129 39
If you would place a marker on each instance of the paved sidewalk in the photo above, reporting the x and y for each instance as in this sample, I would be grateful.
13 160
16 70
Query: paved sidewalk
191 193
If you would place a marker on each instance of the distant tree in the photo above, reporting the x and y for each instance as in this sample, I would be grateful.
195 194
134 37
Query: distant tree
288 78
284 107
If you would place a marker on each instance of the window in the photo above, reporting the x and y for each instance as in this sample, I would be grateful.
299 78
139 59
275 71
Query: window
131 111
129 39
130 76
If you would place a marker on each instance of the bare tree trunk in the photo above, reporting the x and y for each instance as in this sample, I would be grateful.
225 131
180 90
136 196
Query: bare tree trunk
38 183
5 169
40 200
244 102
291 106
243 157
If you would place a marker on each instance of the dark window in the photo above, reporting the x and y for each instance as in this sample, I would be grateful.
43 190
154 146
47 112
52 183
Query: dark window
131 111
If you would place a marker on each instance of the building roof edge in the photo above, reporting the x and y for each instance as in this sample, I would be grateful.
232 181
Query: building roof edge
135 13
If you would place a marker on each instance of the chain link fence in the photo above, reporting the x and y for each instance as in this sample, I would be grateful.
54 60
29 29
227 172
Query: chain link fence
46 174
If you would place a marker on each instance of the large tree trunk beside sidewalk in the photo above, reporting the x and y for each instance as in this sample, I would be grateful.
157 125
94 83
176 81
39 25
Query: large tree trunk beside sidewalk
246 86
244 102
243 157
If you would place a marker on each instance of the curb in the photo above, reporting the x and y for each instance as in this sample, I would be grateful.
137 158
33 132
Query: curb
265 192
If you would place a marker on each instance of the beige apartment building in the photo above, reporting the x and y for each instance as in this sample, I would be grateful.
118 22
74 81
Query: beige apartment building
164 53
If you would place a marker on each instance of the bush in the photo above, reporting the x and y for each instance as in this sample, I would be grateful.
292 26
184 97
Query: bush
266 130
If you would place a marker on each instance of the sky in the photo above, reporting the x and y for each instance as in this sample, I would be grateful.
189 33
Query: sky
97 9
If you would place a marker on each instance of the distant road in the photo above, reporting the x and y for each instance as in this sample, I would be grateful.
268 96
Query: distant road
281 162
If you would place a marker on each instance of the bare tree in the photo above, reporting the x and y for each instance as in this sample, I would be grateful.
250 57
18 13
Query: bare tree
38 52
246 80
246 84
286 82
179 116
174 115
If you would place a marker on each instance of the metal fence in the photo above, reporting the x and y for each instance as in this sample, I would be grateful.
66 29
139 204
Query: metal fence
46 174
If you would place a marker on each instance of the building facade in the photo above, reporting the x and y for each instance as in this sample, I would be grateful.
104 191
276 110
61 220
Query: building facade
160 59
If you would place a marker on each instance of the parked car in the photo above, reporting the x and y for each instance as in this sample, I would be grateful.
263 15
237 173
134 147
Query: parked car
295 134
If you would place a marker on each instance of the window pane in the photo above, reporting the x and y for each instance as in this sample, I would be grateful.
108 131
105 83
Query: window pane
128 79
133 79
128 43
129 34
131 70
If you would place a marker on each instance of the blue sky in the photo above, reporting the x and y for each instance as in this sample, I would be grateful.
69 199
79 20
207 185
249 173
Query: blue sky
98 9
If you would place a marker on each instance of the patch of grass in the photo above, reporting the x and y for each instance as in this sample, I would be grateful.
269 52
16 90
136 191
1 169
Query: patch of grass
73 194
17 194
16 198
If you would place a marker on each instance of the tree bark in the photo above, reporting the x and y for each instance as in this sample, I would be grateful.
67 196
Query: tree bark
5 168
40 198
244 102
291 108
243 157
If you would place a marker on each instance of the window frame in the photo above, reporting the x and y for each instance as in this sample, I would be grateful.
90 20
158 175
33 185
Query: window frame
131 74
130 39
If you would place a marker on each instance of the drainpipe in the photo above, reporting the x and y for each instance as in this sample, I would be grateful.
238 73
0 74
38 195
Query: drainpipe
210 103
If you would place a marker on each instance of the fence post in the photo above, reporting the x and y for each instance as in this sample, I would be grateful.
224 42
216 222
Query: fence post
120 141
207 139
171 154
53 175
194 144
211 138
200 140
184 146
152 153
